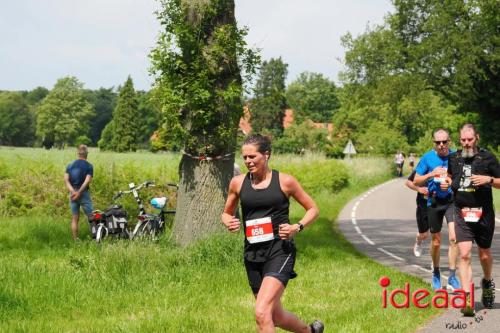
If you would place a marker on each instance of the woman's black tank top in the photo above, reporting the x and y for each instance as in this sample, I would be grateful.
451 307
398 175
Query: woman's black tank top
268 202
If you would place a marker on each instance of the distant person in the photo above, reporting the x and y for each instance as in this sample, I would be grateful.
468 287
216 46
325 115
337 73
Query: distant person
411 162
77 178
421 214
473 172
399 160
431 171
269 250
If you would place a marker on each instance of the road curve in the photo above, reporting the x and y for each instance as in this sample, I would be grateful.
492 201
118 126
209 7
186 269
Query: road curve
381 224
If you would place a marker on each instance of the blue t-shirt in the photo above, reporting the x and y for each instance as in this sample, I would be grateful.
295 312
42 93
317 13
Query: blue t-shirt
78 171
428 163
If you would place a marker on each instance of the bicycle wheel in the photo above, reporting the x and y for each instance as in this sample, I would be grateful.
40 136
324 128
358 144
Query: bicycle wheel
102 232
125 234
136 230
148 229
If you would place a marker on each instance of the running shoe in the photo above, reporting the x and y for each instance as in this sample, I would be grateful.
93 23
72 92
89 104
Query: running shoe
453 283
317 327
488 296
436 281
469 310
417 248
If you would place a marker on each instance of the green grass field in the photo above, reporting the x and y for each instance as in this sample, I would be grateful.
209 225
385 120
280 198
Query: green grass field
50 284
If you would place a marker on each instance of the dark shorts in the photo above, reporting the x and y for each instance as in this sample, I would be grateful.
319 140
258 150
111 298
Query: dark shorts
422 219
279 267
85 202
437 212
480 232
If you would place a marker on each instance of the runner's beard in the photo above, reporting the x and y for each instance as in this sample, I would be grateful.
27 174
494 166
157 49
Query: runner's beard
468 152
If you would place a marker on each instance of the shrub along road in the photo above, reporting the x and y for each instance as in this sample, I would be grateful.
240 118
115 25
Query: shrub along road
381 223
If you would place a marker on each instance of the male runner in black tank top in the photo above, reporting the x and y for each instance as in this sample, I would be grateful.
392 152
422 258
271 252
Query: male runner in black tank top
269 249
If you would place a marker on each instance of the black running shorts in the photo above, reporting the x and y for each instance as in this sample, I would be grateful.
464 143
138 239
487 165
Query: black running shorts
480 232
422 219
279 266
437 212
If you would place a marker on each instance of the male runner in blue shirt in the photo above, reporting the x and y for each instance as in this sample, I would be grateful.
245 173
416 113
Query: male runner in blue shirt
432 170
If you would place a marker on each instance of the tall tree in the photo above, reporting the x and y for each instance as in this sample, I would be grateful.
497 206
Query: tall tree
312 96
197 61
452 46
36 95
149 117
122 132
17 126
267 108
104 101
63 114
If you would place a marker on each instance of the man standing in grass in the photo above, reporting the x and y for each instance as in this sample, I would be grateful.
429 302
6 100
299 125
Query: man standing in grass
432 170
77 178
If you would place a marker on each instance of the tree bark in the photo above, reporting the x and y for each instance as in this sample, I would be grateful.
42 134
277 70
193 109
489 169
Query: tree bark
201 197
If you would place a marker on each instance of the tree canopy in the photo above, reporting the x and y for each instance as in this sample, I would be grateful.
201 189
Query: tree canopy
448 49
197 63
16 120
63 114
267 108
312 96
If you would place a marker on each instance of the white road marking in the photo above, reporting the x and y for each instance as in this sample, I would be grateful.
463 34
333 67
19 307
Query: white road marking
422 269
358 230
390 254
368 240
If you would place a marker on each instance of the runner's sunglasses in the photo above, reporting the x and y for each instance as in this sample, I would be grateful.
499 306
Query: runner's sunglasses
444 142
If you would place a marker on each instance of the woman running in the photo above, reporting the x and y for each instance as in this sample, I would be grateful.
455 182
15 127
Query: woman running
269 252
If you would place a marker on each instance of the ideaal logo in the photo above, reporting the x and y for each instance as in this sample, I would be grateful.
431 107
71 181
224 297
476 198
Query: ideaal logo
419 297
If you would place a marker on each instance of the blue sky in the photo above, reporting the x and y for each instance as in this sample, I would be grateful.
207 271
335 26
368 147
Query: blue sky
101 42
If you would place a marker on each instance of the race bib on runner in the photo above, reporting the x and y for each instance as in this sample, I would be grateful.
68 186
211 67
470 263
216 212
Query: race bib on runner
441 178
259 230
472 214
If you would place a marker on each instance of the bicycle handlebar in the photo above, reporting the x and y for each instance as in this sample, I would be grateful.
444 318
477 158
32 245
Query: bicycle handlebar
147 183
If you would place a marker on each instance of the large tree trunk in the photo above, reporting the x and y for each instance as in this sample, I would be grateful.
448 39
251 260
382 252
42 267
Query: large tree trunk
204 183
201 197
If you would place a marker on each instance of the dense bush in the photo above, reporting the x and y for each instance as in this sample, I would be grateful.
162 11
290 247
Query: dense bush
31 180
316 174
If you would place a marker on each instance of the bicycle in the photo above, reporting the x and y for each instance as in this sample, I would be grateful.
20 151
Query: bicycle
149 224
112 222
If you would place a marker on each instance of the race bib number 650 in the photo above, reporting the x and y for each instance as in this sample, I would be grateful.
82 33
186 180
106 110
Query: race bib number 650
472 214
259 230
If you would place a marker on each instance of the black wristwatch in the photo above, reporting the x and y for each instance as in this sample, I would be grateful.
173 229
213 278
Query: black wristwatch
301 226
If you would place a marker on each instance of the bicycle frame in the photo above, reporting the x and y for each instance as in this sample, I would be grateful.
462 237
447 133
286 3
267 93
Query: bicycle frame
147 223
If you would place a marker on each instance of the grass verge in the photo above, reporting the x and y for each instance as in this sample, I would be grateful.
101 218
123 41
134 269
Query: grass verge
51 284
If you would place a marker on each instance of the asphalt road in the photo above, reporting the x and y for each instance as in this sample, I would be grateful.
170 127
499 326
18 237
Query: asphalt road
381 224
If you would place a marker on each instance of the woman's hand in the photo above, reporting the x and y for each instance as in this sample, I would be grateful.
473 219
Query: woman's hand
287 231
233 225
